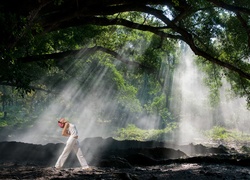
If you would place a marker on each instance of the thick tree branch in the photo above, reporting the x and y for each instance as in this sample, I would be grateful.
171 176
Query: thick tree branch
30 87
72 12
103 21
229 7
87 52
187 37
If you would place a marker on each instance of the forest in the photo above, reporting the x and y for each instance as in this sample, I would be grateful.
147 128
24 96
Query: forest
114 64
161 70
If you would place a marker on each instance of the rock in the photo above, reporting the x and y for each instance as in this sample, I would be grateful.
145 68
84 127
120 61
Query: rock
115 162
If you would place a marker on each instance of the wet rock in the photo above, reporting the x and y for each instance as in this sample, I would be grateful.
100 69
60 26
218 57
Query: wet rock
116 162
112 153
162 153
192 149
245 149
219 150
126 176
141 160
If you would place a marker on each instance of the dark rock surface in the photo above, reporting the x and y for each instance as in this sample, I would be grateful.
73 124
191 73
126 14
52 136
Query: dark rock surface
112 159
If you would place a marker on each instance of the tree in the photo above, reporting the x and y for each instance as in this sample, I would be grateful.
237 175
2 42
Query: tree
215 30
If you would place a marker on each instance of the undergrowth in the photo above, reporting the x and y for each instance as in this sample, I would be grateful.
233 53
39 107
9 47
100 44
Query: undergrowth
217 133
132 132
221 133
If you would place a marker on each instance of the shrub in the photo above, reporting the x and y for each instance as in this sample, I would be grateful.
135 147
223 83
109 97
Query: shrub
131 132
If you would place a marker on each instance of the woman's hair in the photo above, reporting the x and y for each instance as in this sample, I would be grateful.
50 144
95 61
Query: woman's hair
62 119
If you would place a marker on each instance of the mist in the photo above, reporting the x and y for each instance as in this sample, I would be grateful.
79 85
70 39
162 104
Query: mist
195 112
80 109
89 101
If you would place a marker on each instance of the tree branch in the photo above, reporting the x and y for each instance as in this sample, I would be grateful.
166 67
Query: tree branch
72 12
187 37
103 21
87 51
229 7
30 87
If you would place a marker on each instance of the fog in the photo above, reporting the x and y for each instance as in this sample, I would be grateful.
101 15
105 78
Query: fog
89 102
191 103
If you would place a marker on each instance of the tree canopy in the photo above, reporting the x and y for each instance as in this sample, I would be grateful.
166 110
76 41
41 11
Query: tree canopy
35 32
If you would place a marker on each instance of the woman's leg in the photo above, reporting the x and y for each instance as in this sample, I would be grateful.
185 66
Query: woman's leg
67 149
79 155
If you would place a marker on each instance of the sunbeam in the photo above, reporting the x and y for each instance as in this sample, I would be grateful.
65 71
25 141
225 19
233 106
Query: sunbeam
191 103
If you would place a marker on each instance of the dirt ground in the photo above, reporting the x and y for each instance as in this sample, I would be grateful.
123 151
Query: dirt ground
173 171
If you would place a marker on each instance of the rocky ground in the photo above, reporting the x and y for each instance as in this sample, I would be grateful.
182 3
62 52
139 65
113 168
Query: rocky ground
111 159
173 171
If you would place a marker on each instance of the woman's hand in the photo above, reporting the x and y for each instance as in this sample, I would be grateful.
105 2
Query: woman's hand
65 131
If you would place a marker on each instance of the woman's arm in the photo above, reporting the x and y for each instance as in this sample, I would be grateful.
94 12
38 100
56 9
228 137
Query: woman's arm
65 131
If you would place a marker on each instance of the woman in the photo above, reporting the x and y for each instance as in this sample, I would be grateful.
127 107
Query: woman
69 130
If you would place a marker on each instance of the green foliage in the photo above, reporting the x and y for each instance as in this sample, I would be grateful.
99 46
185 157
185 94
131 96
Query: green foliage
127 98
15 119
131 132
218 133
126 94
135 90
221 133
137 46
3 123
176 2
158 105
58 2
223 37
21 109
212 79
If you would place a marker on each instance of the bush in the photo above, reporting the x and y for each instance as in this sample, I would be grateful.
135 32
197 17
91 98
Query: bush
221 133
131 132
